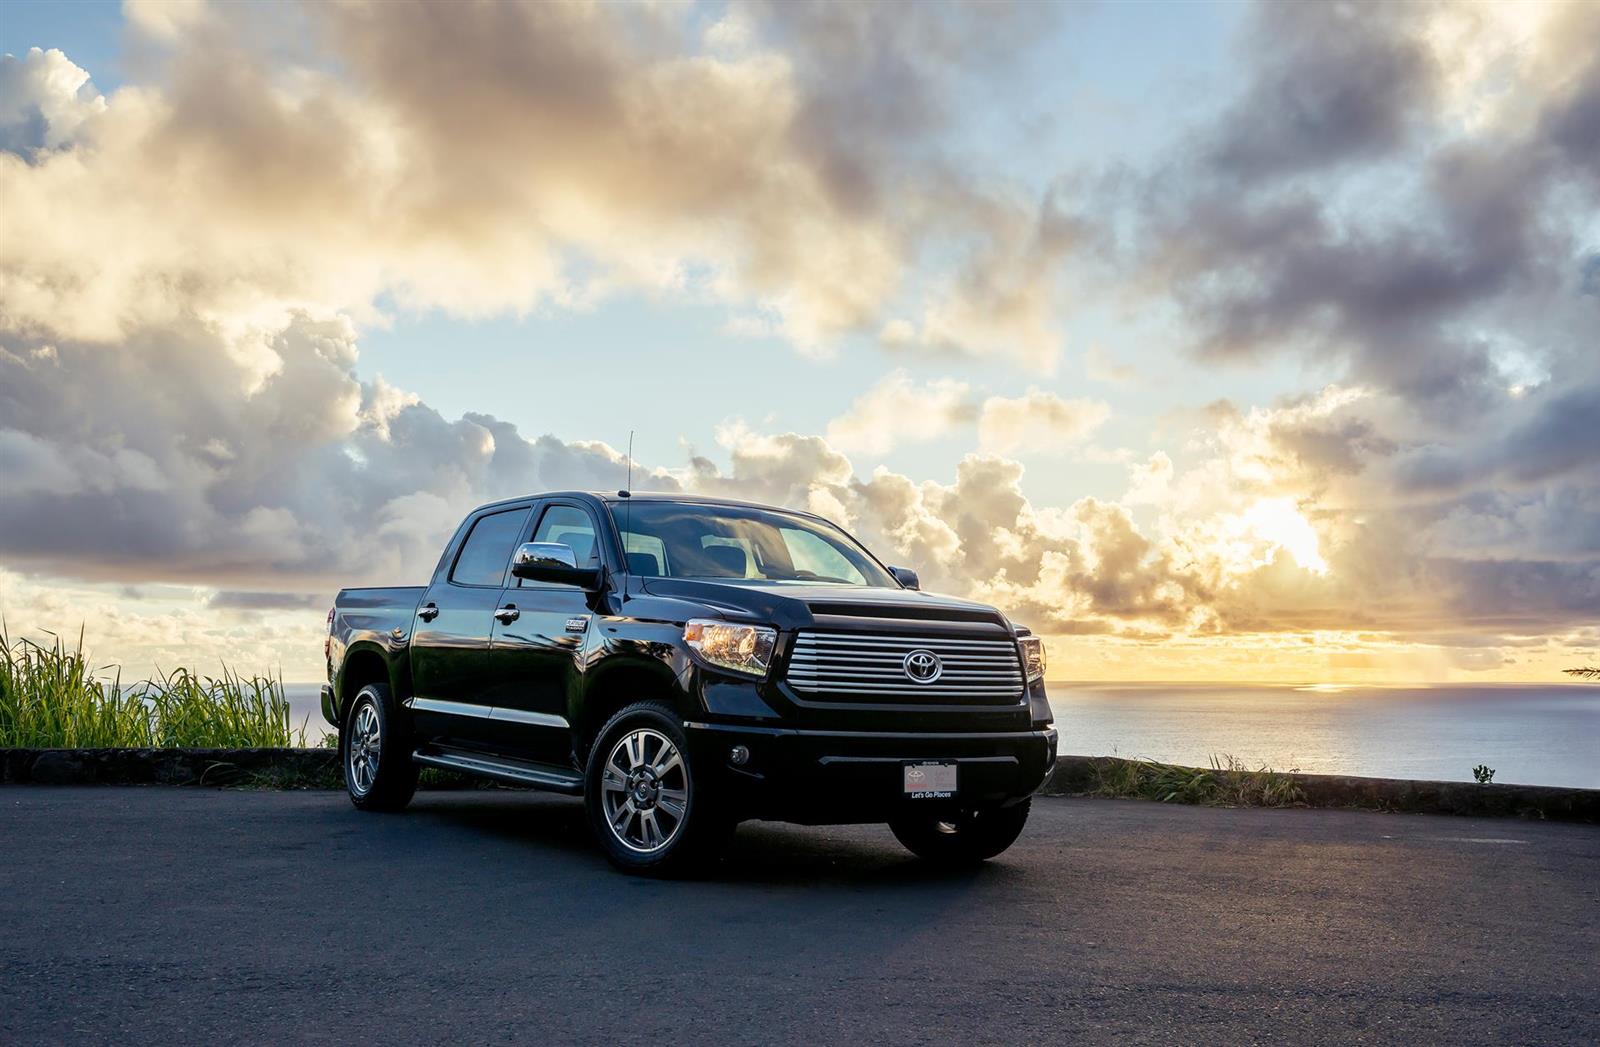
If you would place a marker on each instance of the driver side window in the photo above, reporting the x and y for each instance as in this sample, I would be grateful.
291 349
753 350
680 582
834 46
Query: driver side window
572 527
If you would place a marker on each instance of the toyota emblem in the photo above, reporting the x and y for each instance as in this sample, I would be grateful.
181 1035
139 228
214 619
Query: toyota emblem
922 666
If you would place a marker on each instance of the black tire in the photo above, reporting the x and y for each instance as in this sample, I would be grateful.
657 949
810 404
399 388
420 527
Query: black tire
384 777
967 838
654 787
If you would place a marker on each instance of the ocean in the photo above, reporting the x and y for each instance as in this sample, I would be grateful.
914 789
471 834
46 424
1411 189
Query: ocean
1538 734
1531 734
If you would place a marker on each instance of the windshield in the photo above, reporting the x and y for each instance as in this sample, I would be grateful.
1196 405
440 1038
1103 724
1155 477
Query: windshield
689 540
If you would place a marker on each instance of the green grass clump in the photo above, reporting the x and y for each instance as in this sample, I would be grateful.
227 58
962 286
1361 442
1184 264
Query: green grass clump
224 712
1226 783
50 698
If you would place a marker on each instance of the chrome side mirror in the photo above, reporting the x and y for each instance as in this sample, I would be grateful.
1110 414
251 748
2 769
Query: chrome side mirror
906 577
552 562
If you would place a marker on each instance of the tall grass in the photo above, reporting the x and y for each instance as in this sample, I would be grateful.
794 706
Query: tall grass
50 698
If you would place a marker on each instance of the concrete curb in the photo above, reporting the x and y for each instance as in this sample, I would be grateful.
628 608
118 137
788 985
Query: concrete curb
1079 776
1074 776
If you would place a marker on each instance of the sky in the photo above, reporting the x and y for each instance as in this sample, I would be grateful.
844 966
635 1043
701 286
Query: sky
1233 342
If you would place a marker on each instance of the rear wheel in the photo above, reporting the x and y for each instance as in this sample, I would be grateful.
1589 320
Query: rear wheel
645 804
966 838
379 773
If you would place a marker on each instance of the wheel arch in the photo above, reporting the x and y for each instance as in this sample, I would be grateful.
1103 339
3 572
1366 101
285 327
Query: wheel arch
364 663
614 685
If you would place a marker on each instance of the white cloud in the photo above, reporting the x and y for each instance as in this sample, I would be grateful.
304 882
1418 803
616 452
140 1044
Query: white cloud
250 185
44 101
166 20
898 411
1039 422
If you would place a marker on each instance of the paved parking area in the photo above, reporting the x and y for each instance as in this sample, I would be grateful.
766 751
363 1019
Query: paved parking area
182 915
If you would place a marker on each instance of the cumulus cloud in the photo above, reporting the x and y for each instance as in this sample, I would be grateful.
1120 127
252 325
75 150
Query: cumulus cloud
243 184
979 535
1398 197
169 458
44 101
1039 422
181 400
898 410
1334 84
1402 197
1377 228
166 20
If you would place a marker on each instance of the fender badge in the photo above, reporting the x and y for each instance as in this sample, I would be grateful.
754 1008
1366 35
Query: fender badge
578 624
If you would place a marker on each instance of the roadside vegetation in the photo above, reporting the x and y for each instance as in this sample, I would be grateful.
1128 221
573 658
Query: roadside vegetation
1226 783
51 698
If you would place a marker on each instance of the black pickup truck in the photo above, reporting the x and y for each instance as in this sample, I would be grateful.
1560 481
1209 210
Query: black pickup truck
687 663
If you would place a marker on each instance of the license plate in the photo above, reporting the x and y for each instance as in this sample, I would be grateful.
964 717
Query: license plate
930 781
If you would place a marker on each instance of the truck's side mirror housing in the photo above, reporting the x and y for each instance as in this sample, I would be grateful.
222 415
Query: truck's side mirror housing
906 577
552 562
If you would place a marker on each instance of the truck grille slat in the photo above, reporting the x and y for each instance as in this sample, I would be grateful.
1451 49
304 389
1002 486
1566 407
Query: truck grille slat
869 666
871 674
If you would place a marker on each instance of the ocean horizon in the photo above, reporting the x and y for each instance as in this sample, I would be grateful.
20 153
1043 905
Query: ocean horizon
1531 734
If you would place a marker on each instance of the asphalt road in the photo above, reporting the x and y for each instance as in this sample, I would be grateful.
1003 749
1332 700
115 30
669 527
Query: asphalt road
187 915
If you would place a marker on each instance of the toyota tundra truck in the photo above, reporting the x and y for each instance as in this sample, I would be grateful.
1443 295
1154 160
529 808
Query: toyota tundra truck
683 664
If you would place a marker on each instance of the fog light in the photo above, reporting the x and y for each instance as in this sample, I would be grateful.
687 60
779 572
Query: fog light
739 755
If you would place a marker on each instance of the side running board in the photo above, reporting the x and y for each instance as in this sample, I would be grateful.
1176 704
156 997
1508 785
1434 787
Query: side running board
555 779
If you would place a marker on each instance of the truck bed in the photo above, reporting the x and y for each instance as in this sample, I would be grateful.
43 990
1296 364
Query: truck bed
377 609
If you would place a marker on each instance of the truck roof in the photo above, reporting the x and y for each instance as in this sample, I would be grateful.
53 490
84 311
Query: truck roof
617 497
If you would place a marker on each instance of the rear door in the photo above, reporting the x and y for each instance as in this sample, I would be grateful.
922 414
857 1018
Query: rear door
537 657
455 627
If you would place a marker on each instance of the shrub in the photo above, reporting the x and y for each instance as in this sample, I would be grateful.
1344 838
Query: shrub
1228 782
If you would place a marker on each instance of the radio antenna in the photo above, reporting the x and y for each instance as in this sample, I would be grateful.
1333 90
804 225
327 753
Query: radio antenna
627 517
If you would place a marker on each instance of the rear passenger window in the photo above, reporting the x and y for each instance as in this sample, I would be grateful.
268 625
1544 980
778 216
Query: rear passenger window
487 551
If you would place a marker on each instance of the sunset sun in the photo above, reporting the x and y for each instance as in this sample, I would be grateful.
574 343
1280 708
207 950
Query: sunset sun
1279 523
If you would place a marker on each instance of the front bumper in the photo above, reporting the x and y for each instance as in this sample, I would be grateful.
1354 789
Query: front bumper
838 777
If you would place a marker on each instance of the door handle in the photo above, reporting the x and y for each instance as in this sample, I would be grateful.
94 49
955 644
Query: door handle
428 612
508 614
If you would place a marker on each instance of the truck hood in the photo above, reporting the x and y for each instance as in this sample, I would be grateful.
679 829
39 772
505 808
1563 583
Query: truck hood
792 605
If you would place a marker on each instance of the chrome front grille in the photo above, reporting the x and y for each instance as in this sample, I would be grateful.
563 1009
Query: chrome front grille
864 667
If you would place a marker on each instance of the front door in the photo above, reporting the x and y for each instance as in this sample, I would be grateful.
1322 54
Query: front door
454 628
537 657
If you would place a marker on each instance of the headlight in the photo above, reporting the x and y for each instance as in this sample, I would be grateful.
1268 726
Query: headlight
1032 656
741 648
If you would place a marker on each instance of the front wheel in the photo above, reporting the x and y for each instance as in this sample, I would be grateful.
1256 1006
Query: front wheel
966 838
379 773
646 806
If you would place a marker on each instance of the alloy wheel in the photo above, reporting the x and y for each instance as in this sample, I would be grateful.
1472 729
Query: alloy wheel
366 747
645 790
